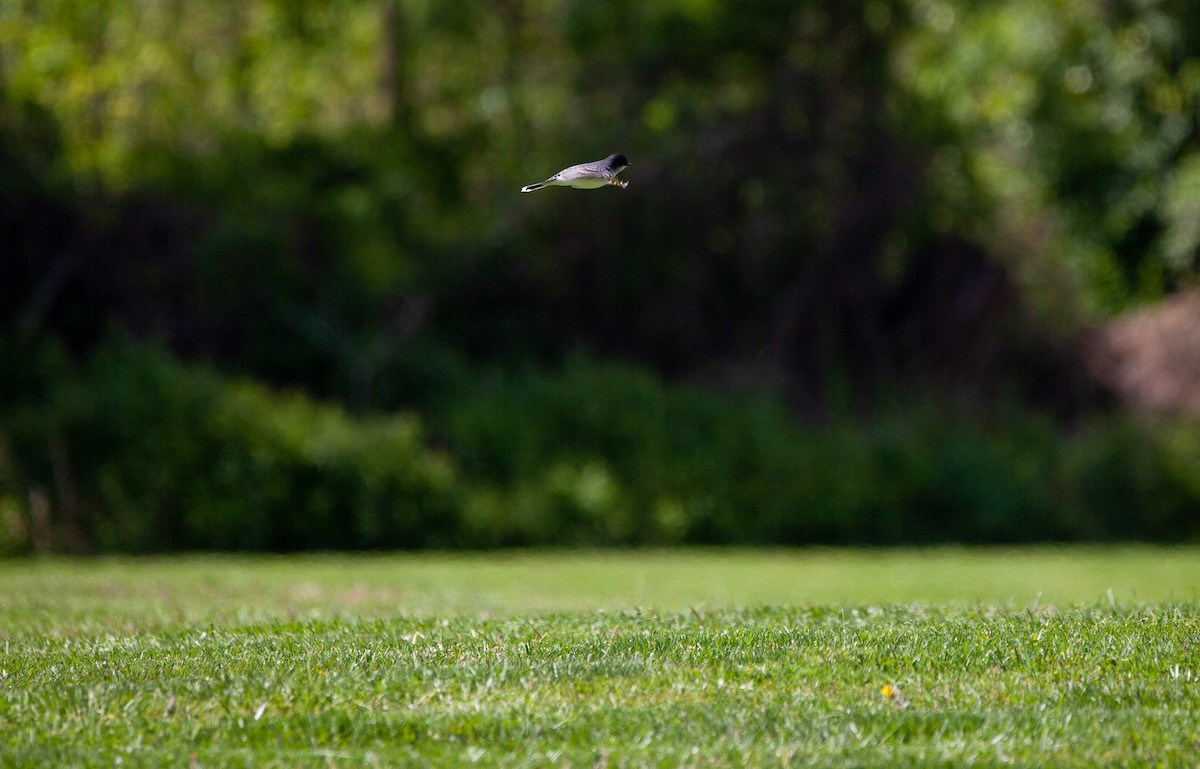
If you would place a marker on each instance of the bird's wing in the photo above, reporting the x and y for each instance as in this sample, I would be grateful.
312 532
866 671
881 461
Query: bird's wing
582 171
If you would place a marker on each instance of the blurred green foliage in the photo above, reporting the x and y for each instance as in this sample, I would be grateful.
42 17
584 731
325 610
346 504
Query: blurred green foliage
803 168
891 215
136 452
1062 129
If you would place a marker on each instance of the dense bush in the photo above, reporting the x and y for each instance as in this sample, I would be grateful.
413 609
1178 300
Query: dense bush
607 454
136 452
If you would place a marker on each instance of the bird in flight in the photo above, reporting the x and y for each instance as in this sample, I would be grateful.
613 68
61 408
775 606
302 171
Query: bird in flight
587 176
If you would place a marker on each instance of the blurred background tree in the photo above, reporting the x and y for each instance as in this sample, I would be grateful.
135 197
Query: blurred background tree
839 215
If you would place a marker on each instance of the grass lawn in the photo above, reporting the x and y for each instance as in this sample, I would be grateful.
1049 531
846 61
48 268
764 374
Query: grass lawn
793 658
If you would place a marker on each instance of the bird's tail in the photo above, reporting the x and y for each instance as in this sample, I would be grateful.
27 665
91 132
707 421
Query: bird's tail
535 186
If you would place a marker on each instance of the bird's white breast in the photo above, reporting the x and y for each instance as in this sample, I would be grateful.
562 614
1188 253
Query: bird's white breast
586 183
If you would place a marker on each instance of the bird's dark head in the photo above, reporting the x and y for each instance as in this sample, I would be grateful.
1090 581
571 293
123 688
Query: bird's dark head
617 161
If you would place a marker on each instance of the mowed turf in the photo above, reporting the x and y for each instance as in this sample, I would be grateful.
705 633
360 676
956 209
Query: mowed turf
796 658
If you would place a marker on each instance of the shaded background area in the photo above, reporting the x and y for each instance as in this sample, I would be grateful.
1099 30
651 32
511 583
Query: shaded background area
266 283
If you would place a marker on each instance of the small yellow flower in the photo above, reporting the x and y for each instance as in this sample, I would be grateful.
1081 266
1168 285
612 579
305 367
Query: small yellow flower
888 691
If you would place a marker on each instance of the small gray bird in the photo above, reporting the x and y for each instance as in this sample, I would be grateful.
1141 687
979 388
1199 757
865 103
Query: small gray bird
587 176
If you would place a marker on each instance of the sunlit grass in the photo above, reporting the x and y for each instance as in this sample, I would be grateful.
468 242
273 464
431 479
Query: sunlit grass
110 592
802 658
